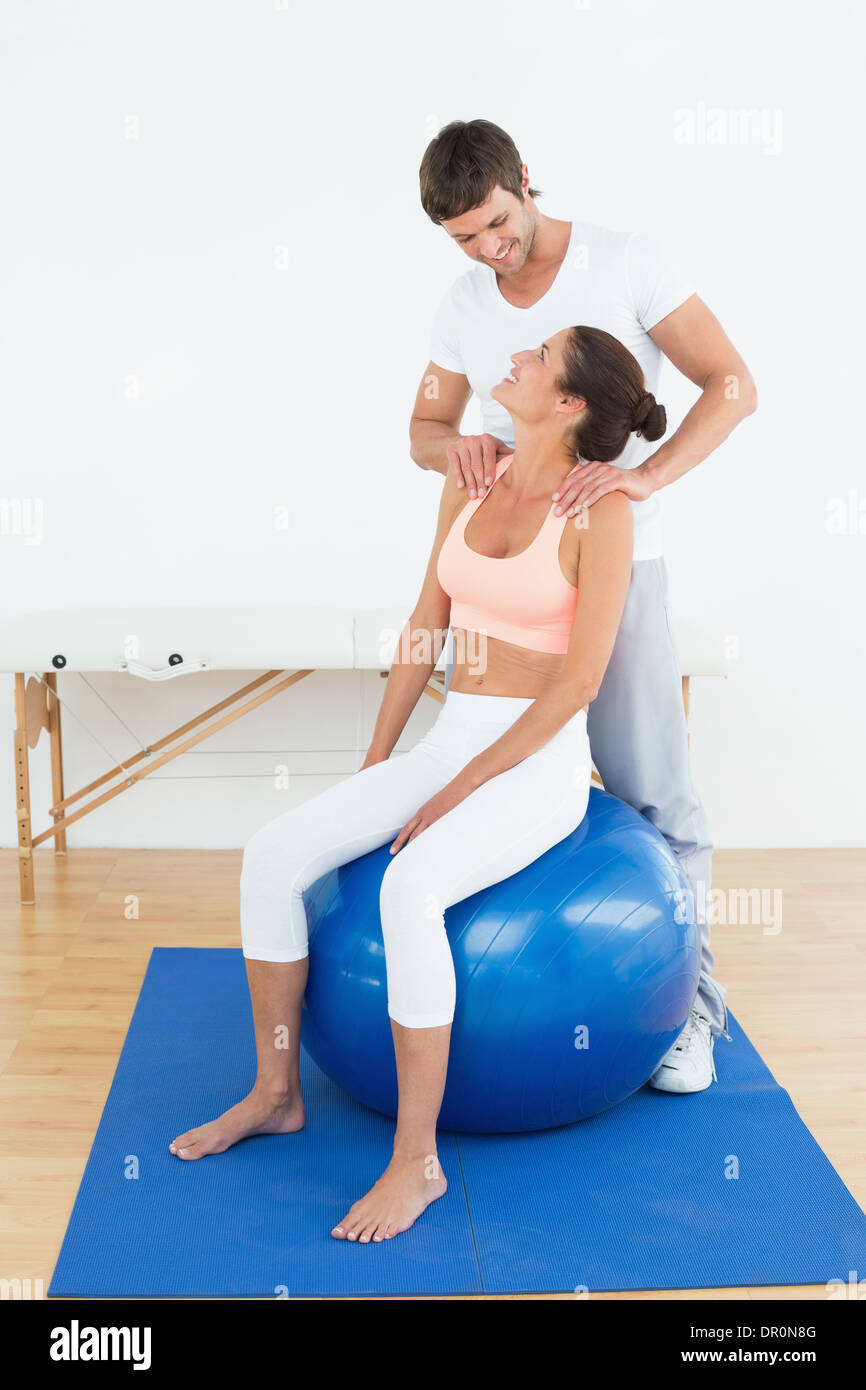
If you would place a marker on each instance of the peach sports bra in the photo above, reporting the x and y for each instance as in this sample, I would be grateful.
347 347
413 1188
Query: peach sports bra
524 599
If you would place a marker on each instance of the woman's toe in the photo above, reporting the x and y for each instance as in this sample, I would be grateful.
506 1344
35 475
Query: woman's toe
184 1142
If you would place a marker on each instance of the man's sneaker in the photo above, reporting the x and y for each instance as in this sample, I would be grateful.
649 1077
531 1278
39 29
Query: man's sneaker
689 1064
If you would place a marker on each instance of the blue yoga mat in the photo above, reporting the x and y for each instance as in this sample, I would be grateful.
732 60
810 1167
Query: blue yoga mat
636 1198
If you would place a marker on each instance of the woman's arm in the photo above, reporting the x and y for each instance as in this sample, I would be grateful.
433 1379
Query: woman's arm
604 570
421 640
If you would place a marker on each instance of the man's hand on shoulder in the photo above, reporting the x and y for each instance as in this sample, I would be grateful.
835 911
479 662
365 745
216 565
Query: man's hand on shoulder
472 460
587 482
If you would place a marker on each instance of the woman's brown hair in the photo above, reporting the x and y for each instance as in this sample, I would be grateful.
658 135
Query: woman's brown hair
603 373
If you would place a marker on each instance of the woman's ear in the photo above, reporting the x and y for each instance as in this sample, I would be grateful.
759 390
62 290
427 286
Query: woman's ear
570 405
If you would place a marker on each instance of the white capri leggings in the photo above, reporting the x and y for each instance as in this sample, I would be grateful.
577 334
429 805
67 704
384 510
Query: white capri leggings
499 828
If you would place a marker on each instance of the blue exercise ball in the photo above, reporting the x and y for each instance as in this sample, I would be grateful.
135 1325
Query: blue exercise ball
574 977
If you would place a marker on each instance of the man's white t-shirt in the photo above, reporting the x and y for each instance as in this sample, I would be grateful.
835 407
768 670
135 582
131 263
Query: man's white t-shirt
617 281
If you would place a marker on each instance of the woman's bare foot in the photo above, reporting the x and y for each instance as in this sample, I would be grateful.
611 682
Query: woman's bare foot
255 1114
407 1186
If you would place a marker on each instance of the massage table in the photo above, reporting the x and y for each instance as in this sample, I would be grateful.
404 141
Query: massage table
166 643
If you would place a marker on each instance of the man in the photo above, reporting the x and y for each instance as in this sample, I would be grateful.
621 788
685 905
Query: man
533 276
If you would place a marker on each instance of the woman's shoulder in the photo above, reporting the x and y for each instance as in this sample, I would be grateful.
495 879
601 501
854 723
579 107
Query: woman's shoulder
613 510
607 536
452 500
606 528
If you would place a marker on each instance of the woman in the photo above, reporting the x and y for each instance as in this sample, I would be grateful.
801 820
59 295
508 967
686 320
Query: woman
501 777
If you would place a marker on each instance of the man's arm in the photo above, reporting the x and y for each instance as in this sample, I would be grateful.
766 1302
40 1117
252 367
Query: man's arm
435 441
694 340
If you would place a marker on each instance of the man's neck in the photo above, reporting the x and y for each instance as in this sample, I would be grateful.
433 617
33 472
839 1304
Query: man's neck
549 245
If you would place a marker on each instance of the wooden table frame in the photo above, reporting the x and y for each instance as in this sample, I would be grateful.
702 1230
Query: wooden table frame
38 707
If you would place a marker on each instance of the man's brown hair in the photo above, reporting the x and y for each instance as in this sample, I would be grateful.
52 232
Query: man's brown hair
463 164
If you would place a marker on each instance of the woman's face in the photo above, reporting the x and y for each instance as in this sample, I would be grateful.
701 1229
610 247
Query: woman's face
529 392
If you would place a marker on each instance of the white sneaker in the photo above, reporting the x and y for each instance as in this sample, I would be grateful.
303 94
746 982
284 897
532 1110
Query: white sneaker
689 1065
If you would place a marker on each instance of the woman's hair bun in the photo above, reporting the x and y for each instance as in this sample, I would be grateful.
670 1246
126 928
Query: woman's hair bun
599 370
650 418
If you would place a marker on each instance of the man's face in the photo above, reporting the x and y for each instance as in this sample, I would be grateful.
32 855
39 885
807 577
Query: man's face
499 232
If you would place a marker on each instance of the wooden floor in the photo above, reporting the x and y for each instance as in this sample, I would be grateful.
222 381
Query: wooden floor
71 967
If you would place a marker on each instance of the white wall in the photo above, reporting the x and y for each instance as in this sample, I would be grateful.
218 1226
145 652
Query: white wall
218 284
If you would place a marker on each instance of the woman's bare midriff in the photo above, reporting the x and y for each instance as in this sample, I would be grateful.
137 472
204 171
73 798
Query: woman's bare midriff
488 666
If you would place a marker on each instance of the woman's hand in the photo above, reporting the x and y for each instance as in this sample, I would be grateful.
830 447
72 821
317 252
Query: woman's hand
587 482
438 805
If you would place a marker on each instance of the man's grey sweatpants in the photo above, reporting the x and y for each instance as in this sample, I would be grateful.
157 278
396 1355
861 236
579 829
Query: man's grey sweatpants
639 742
